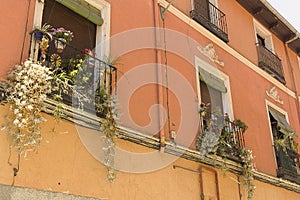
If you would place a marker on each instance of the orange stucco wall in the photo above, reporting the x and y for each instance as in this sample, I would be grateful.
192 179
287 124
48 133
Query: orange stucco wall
15 24
248 88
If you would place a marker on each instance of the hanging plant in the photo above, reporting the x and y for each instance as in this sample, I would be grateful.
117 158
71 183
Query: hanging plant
42 32
109 128
28 86
248 168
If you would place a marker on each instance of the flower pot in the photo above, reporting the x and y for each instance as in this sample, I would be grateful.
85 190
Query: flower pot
60 44
38 35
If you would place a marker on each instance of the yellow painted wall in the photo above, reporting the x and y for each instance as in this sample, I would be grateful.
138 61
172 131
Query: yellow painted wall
62 164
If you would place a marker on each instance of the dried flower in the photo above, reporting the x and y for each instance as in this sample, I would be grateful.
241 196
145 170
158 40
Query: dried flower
26 92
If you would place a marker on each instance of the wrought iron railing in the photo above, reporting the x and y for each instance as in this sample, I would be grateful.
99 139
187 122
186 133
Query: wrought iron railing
211 18
269 62
88 76
236 134
288 165
221 136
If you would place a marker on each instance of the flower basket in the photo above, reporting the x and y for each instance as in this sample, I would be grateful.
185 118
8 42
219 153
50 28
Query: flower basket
42 32
38 35
62 33
60 44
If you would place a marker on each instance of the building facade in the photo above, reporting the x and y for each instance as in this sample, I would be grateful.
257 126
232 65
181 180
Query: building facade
200 85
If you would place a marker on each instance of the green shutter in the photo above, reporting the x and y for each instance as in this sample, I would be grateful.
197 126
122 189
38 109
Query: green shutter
84 9
212 80
281 121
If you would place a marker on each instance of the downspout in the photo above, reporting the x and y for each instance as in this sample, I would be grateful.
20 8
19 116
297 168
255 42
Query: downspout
292 73
158 61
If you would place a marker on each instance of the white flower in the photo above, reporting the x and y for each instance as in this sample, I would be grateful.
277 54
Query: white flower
29 107
16 121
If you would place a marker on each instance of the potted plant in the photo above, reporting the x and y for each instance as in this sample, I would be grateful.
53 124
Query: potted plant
42 32
62 37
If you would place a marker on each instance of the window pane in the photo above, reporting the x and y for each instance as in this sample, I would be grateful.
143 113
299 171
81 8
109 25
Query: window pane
212 96
84 31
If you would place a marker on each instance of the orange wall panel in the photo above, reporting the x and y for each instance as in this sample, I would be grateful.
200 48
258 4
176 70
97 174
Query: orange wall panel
16 24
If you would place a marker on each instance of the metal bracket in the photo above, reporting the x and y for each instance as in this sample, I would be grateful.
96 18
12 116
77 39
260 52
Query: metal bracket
163 10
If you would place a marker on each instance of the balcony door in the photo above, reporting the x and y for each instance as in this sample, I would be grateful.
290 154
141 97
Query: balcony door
202 6
57 15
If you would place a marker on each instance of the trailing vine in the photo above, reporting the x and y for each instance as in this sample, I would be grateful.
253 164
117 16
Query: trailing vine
27 88
248 168
109 128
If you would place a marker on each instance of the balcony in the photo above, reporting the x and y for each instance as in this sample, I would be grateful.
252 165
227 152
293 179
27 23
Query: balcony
269 62
219 135
211 18
87 77
288 166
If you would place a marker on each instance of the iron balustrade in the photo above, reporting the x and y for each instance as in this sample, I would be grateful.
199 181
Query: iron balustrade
269 62
288 165
211 18
229 134
101 75
236 134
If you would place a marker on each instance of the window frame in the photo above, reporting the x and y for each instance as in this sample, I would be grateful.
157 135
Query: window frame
102 48
280 110
265 34
226 97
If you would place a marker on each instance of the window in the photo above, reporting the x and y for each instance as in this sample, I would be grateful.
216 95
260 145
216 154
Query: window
82 59
58 15
213 87
285 153
96 32
267 59
211 95
260 40
263 36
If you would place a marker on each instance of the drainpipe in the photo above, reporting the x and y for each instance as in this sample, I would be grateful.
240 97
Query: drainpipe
292 74
158 61
293 39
